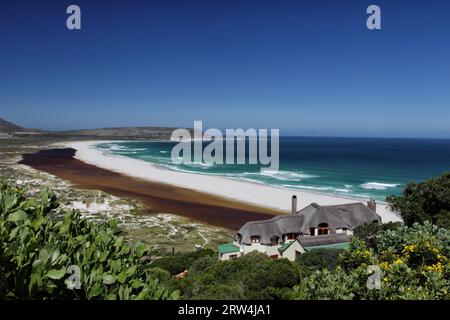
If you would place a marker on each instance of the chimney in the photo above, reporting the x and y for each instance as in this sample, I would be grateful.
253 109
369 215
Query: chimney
294 204
372 204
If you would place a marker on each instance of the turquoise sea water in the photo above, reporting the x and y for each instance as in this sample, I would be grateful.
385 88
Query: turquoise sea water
358 167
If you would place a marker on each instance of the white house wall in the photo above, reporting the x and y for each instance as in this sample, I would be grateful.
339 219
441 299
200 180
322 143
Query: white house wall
290 252
226 256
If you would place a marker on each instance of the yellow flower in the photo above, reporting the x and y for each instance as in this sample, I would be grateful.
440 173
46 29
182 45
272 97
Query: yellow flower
410 248
438 267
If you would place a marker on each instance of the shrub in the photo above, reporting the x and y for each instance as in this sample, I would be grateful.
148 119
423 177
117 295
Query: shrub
320 259
182 261
413 263
37 249
368 232
326 285
426 201
253 276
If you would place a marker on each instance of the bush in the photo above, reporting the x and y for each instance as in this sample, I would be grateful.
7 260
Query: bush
202 264
37 250
413 263
426 201
320 259
158 273
368 232
253 276
182 261
326 285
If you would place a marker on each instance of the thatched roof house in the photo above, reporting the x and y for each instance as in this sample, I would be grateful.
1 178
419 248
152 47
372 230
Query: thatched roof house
308 221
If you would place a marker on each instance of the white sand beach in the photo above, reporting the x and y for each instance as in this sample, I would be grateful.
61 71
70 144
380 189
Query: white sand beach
257 194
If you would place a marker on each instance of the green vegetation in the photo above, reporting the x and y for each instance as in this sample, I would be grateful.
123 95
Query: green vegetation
414 264
425 201
253 276
368 232
38 245
161 231
181 261
37 250
319 259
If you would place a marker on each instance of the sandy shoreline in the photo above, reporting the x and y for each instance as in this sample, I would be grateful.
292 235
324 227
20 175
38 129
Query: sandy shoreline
265 196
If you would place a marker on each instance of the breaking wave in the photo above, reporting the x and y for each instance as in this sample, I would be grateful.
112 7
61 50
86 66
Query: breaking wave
284 175
378 185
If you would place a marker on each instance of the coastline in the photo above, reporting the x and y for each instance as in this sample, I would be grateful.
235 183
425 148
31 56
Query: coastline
270 197
156 198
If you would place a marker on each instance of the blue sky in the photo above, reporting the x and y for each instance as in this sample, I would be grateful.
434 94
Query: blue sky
306 67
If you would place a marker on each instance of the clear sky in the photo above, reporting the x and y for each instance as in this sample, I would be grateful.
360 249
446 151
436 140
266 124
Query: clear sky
306 67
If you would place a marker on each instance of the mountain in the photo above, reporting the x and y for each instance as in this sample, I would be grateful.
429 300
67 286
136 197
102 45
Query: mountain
125 133
8 127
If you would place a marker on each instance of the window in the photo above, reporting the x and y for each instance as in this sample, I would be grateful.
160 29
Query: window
311 231
274 241
255 239
233 256
274 257
292 236
323 229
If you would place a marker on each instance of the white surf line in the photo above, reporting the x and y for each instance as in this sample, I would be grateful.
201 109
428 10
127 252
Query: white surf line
273 197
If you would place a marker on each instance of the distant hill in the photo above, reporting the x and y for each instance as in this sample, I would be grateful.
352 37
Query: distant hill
125 133
8 127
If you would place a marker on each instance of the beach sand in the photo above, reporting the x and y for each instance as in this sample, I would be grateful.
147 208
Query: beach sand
157 197
273 199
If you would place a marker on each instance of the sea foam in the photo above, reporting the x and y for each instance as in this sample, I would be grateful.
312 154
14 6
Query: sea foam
378 185
285 175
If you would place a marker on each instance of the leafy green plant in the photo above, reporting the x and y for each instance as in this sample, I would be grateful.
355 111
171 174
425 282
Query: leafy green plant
253 276
319 259
326 285
37 248
368 232
413 264
425 201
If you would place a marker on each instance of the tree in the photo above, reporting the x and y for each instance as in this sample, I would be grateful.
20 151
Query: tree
253 276
368 232
429 200
320 258
181 261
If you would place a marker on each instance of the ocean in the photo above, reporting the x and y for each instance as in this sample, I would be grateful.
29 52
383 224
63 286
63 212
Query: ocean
356 167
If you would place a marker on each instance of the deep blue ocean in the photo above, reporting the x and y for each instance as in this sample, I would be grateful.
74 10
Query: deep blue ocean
357 167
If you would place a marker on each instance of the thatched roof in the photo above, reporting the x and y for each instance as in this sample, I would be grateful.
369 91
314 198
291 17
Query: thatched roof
345 216
327 239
